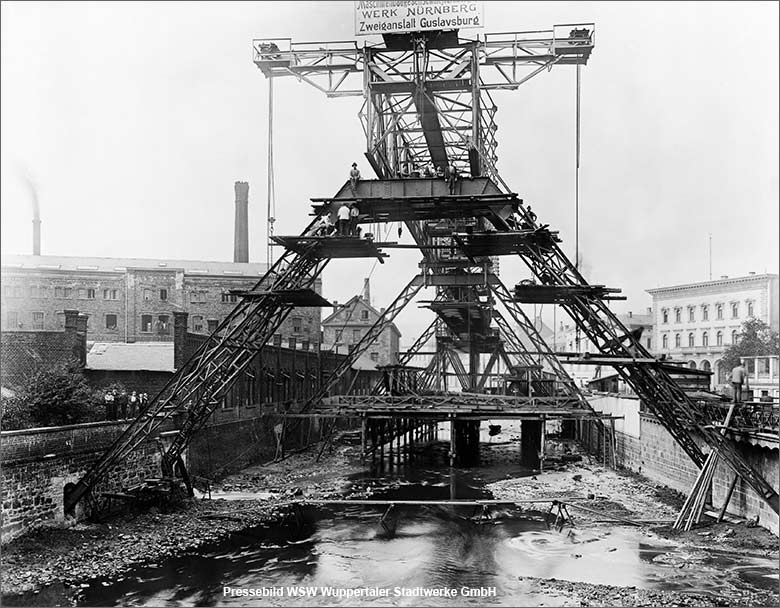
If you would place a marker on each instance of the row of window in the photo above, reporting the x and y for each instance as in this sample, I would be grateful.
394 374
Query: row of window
705 312
705 339
91 293
82 293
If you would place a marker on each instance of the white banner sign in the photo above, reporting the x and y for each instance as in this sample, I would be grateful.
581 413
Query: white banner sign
393 16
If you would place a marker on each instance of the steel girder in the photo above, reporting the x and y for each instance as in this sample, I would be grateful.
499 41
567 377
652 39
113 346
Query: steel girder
677 412
199 386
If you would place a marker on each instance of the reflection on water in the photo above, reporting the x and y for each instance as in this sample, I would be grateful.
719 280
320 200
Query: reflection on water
432 547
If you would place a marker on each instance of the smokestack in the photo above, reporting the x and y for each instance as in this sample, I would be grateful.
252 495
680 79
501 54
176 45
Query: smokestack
367 291
241 242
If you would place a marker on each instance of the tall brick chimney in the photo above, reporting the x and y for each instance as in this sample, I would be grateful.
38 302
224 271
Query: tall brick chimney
241 242
180 354
367 291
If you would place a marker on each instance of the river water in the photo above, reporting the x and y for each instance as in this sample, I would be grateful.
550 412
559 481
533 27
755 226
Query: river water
338 548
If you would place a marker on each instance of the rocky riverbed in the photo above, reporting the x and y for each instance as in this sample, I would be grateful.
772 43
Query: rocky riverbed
51 565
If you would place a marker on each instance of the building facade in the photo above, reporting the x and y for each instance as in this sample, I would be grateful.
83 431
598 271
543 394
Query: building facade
568 339
132 299
349 323
695 323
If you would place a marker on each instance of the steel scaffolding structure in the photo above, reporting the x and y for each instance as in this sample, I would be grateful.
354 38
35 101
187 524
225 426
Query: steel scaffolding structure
427 100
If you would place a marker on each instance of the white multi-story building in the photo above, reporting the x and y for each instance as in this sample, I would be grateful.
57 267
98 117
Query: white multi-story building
696 322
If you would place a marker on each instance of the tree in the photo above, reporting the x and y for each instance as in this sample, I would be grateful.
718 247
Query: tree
59 396
756 338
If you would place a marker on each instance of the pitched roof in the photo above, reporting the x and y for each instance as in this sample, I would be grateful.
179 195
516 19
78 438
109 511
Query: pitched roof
98 264
138 356
352 304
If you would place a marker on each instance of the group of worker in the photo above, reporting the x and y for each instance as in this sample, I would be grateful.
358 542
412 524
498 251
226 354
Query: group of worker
521 219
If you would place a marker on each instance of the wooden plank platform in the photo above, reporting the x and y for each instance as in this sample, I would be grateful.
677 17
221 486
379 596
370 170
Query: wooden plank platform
332 246
290 297
561 294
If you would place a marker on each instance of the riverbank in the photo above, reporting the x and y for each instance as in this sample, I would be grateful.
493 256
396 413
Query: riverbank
73 556
54 565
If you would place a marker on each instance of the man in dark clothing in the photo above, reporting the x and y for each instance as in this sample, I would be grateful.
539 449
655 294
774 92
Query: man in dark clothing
451 176
739 377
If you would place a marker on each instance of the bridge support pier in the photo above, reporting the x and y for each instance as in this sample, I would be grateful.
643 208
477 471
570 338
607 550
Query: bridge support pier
531 442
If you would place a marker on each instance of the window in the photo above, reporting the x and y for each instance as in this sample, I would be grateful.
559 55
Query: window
734 337
691 314
34 291
375 356
297 323
82 293
719 338
734 310
110 321
648 343
665 341
364 315
338 335
62 292
212 325
37 320
146 323
677 340
705 313
197 323
705 339
163 294
110 294
750 309
162 325
719 311
665 314
90 293
690 339
677 315
229 297
355 335
12 319
147 295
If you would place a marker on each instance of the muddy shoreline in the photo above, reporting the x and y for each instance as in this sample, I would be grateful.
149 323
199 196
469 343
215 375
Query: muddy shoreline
68 559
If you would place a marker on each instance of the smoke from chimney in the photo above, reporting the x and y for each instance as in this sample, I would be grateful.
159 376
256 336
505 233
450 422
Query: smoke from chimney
241 238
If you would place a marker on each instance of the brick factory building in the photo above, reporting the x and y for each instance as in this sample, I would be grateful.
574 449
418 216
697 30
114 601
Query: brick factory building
131 299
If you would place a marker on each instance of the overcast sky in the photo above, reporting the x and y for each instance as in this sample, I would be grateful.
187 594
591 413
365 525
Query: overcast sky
130 123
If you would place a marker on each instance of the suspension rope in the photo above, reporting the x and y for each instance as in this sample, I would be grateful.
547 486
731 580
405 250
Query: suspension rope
271 191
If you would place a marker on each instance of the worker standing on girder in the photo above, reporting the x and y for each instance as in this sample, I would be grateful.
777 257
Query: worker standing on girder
343 217
739 377
354 178
354 212
451 176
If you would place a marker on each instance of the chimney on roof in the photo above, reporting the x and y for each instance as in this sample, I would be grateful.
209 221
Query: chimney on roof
751 273
630 314
724 276
241 239
367 291
649 310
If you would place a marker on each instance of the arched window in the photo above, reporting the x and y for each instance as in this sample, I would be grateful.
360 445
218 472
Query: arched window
666 316
734 310
750 309
677 315
734 336
719 311
690 339
692 364
665 341
677 340
705 339
705 365
719 338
